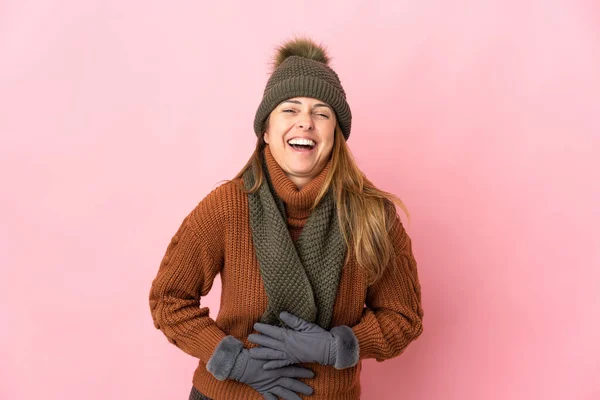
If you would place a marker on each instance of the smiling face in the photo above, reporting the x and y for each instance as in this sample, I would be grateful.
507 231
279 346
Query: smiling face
311 123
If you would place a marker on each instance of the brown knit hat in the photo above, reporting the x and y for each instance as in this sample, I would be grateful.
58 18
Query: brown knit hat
301 70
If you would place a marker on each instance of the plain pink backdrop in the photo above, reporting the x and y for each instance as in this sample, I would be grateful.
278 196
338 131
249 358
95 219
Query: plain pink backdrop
117 118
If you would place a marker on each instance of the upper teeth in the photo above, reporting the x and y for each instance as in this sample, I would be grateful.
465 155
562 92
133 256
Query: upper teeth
301 141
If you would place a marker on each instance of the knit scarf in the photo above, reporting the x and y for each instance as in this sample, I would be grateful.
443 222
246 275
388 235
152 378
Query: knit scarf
300 278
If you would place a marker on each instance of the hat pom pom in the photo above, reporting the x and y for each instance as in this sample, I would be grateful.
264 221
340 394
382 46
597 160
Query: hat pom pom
301 47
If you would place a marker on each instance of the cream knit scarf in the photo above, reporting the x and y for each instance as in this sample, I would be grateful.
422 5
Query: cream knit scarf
302 278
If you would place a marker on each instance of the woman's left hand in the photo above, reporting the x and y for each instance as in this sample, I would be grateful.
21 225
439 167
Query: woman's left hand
305 342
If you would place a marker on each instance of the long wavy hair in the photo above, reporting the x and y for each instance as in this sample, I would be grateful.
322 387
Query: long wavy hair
365 213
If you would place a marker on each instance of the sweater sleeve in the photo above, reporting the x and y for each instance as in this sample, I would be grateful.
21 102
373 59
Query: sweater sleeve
393 314
186 273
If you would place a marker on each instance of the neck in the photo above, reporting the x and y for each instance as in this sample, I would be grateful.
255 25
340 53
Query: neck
299 181
298 194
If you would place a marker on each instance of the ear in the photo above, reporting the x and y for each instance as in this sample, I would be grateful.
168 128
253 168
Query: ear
266 137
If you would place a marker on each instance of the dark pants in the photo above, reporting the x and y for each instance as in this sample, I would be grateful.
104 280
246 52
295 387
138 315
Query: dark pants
196 395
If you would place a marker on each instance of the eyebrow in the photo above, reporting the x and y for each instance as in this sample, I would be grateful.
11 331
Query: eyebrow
299 102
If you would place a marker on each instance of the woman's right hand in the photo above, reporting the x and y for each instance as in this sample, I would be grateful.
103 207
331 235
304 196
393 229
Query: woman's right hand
271 383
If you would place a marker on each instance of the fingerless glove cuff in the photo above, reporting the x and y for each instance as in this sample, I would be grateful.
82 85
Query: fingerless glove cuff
223 358
345 346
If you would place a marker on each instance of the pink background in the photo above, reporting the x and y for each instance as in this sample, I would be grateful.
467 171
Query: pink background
117 118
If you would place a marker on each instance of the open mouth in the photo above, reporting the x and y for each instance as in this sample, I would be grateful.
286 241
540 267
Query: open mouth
302 145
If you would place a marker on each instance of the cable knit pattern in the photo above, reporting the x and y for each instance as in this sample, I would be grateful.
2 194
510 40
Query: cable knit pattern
216 238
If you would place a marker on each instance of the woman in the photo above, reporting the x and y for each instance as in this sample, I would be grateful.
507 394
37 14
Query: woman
317 270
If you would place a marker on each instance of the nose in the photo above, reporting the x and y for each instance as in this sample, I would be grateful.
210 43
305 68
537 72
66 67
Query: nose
305 122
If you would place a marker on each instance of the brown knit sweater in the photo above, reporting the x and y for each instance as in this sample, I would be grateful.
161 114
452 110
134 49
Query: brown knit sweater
215 238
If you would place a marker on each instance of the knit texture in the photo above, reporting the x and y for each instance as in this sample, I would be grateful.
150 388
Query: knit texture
196 395
216 238
300 278
302 77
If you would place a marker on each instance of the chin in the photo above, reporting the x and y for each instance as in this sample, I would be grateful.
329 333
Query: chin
300 172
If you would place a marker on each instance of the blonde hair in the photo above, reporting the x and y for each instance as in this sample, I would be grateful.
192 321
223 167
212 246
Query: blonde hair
365 213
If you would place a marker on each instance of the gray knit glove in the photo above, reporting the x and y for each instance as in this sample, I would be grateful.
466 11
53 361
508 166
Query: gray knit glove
231 361
305 342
